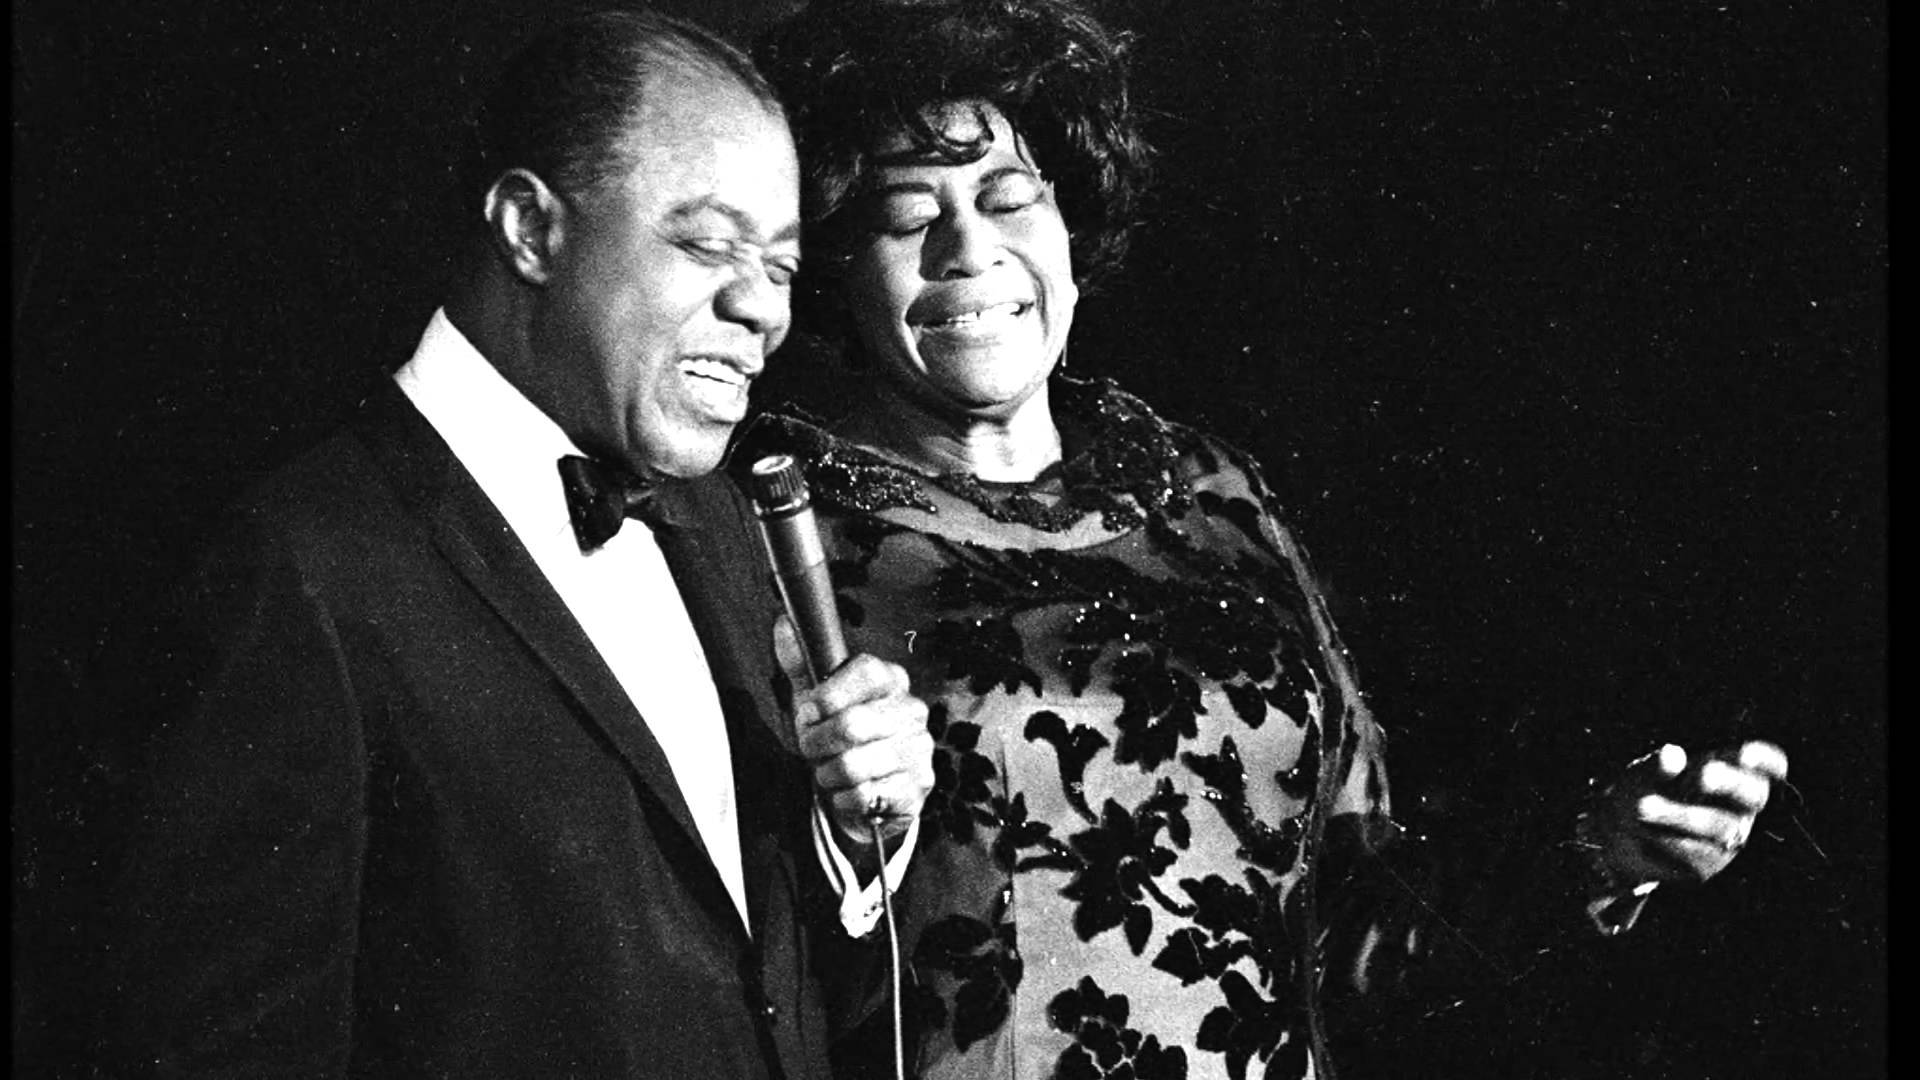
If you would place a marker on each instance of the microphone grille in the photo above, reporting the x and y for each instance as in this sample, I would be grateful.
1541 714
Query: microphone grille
777 484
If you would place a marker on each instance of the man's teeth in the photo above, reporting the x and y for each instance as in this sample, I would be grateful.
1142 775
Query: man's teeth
1008 310
715 369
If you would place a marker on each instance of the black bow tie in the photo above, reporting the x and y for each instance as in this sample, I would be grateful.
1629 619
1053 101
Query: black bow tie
601 497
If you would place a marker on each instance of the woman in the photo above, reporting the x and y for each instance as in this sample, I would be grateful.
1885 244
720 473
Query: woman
1160 794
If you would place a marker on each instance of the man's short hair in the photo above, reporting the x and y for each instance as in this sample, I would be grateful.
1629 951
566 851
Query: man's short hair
564 105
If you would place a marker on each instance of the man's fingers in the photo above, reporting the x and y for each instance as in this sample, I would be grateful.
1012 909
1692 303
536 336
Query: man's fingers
861 679
894 804
869 749
907 756
859 725
789 652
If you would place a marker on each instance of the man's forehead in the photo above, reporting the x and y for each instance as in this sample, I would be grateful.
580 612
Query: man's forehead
691 114
705 148
681 95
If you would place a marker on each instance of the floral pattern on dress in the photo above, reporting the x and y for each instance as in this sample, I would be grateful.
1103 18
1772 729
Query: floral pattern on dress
1127 682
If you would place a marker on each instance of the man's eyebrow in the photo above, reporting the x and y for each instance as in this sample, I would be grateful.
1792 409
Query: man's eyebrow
742 221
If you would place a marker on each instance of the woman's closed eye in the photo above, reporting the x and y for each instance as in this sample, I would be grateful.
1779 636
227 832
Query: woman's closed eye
904 216
1012 192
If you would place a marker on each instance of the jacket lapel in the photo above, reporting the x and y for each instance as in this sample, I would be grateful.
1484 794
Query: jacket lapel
476 540
721 570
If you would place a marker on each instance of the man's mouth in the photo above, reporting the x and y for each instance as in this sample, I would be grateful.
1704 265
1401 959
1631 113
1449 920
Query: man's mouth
717 385
721 371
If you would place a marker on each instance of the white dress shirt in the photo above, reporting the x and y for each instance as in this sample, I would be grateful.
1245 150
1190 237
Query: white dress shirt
622 594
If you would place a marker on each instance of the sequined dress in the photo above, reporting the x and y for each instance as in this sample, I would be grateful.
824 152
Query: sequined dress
1144 725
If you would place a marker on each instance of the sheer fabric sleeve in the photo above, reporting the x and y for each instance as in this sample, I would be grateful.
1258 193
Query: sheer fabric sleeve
1411 922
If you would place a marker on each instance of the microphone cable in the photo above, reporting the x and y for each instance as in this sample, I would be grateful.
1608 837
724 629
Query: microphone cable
893 942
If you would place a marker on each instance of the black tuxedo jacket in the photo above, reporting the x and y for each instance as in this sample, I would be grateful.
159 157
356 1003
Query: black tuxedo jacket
403 822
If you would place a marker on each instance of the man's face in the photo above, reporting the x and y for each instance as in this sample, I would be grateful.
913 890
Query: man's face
668 285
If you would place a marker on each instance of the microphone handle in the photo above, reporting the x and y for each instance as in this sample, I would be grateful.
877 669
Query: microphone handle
800 565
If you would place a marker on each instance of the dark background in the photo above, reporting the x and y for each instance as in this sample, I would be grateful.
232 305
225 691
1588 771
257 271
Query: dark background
1563 328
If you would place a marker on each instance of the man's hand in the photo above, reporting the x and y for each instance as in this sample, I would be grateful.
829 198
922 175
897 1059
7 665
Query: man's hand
866 739
1671 820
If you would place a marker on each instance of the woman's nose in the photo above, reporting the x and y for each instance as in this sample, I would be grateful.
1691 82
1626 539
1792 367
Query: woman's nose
965 244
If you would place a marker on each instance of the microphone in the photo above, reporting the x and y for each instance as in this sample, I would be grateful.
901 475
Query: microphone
780 500
778 489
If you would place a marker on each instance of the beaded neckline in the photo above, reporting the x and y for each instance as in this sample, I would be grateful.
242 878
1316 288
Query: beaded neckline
1122 462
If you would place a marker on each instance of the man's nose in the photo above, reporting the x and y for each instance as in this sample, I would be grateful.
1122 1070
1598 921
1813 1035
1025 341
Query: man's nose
754 301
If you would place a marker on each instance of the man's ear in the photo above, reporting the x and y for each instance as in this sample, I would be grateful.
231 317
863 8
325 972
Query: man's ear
526 220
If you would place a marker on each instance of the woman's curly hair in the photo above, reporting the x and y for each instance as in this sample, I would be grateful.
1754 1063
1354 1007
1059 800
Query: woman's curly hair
854 71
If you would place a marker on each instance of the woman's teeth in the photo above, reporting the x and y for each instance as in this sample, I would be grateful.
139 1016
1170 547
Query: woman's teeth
1010 309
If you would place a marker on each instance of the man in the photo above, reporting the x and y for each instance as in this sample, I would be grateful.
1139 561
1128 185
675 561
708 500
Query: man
464 778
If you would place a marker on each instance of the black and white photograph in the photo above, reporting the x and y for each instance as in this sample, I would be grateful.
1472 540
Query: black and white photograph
950 539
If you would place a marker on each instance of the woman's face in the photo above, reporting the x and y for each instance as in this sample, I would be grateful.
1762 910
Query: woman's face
960 285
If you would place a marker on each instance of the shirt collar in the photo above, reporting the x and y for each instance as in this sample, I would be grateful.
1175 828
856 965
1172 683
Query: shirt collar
506 442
